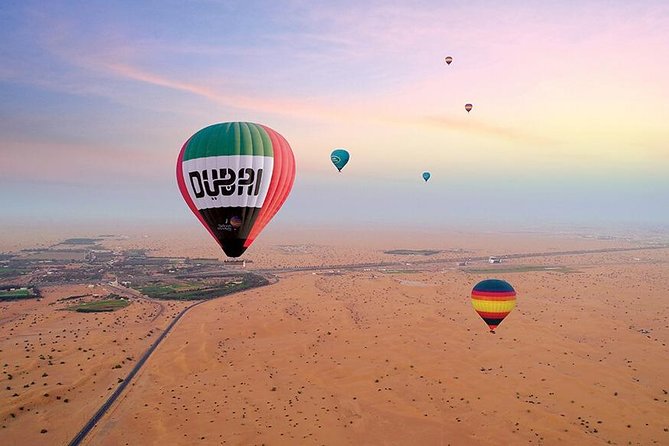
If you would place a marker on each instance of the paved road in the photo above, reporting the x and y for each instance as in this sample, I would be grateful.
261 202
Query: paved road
125 291
114 396
107 404
349 267
451 260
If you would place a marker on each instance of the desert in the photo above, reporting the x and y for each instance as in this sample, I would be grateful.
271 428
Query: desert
364 355
341 223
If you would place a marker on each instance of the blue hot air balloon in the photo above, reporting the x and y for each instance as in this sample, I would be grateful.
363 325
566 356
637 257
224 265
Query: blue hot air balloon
426 176
339 158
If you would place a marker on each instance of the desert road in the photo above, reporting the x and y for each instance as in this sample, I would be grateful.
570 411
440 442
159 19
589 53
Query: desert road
90 425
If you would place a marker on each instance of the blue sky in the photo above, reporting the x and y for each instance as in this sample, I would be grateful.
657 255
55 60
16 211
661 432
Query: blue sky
571 101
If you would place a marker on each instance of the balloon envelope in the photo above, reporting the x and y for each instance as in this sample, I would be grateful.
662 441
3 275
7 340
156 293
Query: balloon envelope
339 158
448 59
493 300
468 107
426 176
235 176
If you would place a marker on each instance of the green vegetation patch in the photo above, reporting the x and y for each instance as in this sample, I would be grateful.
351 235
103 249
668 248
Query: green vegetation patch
521 269
81 241
22 293
159 289
16 293
201 289
100 306
78 296
11 272
412 252
203 260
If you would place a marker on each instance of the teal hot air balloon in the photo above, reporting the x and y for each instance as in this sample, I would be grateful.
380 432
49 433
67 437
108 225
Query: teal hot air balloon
339 158
426 176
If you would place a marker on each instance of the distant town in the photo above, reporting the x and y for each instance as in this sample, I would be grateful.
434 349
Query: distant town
128 272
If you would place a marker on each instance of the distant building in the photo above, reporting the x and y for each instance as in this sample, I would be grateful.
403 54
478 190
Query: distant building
241 263
126 283
493 259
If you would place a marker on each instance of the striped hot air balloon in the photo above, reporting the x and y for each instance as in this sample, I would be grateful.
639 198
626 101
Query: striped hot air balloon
234 177
493 300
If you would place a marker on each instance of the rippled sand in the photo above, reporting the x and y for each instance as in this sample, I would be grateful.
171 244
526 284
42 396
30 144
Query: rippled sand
357 359
59 366
367 357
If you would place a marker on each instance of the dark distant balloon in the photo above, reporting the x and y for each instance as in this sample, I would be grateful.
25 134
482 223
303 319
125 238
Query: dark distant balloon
448 60
493 300
426 176
339 158
468 107
234 177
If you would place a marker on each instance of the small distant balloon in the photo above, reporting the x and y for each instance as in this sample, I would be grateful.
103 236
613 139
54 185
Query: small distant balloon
493 300
340 158
448 60
426 176
468 107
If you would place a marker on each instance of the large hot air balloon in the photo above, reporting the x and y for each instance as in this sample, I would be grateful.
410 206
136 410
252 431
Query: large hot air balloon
339 158
493 300
448 60
235 176
468 107
426 176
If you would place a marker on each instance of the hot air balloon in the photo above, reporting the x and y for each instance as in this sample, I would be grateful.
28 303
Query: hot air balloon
468 107
339 158
426 176
493 300
448 60
235 176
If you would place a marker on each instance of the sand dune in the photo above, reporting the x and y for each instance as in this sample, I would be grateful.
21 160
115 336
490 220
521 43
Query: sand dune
59 366
361 359
323 247
369 357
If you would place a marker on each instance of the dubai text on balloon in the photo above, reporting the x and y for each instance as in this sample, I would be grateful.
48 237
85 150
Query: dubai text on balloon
235 176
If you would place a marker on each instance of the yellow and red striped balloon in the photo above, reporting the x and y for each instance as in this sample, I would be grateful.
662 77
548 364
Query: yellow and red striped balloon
493 300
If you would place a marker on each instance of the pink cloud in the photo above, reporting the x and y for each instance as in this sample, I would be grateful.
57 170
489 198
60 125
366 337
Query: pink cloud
513 50
77 163
279 106
473 126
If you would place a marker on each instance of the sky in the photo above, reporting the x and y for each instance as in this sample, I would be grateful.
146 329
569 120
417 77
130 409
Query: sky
570 123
